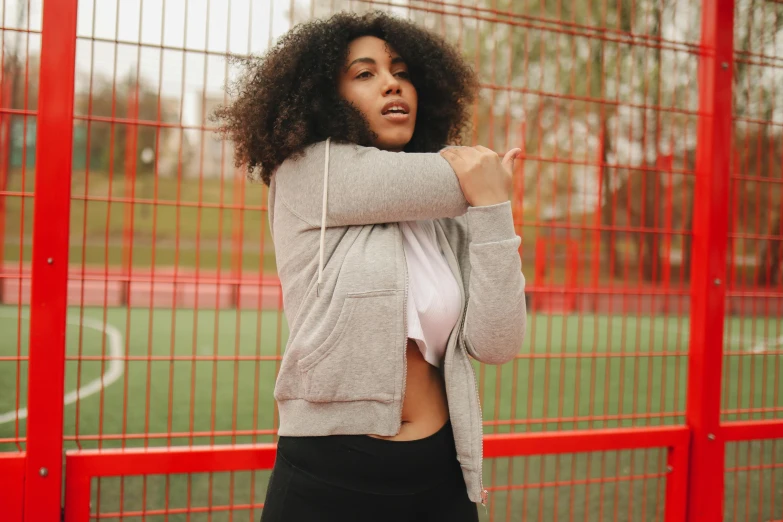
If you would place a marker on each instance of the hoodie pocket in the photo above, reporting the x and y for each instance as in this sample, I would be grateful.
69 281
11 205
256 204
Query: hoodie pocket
362 357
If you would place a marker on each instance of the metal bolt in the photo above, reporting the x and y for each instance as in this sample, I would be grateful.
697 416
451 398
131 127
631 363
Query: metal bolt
725 65
711 436
50 260
716 281
43 472
669 469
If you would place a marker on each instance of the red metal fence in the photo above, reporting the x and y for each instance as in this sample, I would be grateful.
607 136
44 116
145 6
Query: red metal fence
141 317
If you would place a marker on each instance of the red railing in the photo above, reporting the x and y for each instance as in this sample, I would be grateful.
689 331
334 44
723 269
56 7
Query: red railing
142 318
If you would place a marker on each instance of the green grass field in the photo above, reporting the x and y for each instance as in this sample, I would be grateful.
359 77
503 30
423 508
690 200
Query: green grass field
557 378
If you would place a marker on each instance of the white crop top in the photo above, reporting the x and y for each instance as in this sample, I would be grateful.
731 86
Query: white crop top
433 293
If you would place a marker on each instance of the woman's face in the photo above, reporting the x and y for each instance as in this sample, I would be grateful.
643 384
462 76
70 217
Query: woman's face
375 79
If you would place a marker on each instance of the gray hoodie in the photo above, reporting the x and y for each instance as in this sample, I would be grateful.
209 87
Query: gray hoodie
333 213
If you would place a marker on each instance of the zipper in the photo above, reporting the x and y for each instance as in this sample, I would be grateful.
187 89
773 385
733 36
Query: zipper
404 326
483 494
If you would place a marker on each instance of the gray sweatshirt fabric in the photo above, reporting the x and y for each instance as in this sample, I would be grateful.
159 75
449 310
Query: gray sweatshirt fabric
344 366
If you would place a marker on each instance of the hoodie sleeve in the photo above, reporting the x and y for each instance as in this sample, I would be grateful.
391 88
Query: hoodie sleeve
368 185
496 314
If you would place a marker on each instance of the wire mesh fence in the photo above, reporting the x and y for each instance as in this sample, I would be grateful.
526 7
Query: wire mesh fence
173 324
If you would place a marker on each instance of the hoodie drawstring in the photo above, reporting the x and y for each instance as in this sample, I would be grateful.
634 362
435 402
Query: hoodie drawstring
323 220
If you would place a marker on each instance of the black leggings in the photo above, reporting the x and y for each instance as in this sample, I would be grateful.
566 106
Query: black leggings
359 478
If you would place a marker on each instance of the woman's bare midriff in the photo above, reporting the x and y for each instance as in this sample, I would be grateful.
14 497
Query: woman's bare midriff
424 410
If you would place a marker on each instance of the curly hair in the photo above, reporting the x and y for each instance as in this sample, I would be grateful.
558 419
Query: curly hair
288 98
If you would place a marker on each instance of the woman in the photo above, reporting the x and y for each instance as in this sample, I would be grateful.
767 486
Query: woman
397 259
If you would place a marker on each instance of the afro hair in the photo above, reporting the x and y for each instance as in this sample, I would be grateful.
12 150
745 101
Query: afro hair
288 98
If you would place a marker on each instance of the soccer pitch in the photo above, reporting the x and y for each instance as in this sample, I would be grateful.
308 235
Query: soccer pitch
212 373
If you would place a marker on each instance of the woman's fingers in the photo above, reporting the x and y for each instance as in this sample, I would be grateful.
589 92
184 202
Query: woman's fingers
508 159
458 153
463 153
451 152
508 166
482 148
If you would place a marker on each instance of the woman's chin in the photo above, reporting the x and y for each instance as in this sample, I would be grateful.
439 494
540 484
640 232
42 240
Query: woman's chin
393 143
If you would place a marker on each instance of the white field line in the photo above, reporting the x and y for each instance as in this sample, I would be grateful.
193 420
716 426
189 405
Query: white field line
112 373
756 344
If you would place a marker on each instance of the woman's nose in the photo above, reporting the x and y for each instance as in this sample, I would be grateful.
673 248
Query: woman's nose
391 84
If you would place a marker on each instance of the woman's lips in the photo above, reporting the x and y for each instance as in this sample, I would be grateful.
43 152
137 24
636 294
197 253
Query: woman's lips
396 117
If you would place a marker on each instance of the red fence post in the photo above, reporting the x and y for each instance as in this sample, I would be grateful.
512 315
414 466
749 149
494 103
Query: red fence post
677 483
12 485
708 279
77 492
43 483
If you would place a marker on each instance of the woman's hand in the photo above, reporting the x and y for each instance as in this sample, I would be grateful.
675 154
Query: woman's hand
484 179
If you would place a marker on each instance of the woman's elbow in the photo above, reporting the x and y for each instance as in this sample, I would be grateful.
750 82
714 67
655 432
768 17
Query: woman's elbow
500 350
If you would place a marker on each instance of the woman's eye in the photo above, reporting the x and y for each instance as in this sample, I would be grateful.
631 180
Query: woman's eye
404 74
